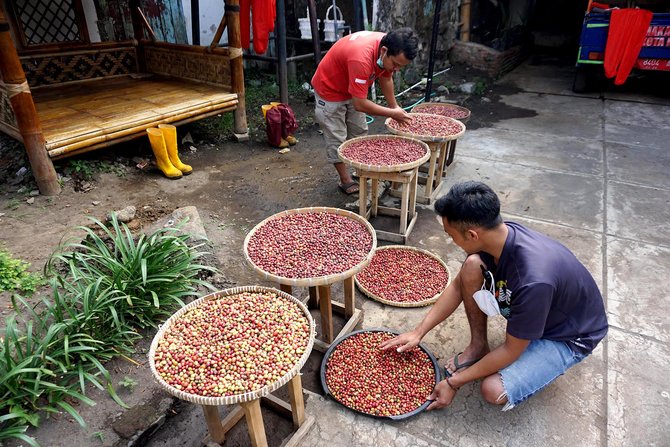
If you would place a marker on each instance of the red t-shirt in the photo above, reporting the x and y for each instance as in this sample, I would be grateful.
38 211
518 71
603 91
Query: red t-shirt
349 67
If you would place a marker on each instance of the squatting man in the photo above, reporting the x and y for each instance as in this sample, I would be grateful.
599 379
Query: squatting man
554 310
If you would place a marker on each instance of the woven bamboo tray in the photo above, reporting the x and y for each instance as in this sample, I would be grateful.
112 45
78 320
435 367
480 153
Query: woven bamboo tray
318 280
324 366
384 168
238 398
428 138
419 108
422 303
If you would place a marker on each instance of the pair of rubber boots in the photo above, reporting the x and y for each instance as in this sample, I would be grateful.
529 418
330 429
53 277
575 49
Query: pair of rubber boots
164 144
290 140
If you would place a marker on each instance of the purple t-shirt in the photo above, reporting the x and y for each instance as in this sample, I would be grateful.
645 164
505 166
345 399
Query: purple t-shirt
545 292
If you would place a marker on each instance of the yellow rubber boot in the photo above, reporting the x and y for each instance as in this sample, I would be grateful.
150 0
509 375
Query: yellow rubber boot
160 152
170 136
291 140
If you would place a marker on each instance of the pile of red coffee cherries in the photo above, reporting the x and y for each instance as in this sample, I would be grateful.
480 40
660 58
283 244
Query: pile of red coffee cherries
428 125
309 245
403 276
384 151
449 110
382 383
232 345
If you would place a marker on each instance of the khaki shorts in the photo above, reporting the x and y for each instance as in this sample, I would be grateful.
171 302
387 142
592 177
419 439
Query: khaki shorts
339 121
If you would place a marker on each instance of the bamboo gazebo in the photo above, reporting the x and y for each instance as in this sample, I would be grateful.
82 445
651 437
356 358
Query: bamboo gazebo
68 96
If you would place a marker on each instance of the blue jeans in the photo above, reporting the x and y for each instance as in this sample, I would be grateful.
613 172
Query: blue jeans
541 363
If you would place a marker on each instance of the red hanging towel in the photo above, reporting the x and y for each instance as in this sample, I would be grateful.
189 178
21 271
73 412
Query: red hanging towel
634 44
627 30
263 13
245 25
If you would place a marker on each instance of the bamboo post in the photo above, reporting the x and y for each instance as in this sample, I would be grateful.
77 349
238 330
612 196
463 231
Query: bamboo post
236 65
24 109
138 31
465 20
219 32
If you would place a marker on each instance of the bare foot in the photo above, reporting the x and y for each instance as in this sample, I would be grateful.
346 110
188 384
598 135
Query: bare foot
464 359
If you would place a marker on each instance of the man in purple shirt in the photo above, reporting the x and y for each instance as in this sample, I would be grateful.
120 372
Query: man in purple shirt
554 310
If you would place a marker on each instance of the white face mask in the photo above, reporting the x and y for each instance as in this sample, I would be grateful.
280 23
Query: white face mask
485 298
380 63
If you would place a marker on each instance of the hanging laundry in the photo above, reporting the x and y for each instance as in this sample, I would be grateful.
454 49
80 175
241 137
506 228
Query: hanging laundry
627 30
245 23
263 13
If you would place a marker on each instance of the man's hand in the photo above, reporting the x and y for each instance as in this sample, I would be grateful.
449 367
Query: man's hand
441 396
398 114
405 341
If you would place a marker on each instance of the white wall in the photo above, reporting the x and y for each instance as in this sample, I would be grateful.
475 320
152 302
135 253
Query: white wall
91 20
211 12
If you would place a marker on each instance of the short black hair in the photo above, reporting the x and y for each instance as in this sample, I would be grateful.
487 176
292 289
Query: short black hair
470 204
402 40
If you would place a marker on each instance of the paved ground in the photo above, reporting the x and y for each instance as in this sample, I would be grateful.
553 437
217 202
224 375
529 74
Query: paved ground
592 172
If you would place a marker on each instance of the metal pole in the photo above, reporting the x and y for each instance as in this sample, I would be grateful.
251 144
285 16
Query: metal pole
433 45
358 12
314 26
281 52
195 21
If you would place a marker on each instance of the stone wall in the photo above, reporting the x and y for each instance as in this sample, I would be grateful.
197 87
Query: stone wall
495 63
418 14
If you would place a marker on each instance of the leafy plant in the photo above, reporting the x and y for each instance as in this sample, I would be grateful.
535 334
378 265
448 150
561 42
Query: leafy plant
128 382
13 204
152 274
14 275
83 169
101 289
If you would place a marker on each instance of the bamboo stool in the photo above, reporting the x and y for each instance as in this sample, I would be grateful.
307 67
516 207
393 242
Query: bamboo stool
438 156
320 287
404 175
247 405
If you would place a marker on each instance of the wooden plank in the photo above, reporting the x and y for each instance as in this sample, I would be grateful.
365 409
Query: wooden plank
286 288
404 203
296 439
278 405
363 196
326 313
254 417
349 297
434 150
297 400
313 302
412 193
216 431
374 199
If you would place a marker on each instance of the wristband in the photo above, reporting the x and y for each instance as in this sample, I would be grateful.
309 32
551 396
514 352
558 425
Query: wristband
450 385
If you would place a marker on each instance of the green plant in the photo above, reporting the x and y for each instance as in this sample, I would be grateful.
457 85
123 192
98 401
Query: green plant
152 274
14 275
83 169
128 382
99 435
13 204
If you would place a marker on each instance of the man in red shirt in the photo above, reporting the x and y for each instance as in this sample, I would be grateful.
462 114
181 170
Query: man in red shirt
341 85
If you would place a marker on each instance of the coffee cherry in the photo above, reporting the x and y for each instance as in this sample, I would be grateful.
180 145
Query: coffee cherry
403 276
425 124
233 344
448 110
382 383
383 151
309 245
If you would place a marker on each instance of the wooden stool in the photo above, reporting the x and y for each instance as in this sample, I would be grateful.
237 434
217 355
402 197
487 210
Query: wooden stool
320 297
407 186
251 410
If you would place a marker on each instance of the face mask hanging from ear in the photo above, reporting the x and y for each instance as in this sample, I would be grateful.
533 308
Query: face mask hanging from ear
485 298
380 64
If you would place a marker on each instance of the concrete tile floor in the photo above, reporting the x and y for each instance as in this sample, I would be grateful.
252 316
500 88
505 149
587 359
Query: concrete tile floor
592 172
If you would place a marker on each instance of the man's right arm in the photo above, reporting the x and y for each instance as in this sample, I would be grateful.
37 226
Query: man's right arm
445 305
